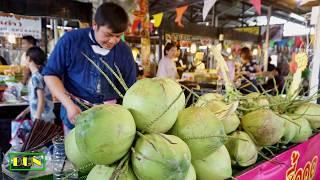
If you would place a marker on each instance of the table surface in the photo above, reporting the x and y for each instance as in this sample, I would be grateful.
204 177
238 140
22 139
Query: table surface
22 103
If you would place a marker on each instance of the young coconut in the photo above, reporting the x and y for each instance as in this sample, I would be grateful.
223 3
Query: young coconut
105 133
290 129
79 161
263 126
206 98
191 173
104 172
311 112
201 130
154 104
160 156
216 166
230 121
242 150
255 100
304 131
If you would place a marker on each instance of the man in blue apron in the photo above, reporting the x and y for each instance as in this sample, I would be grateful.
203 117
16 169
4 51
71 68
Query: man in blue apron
69 73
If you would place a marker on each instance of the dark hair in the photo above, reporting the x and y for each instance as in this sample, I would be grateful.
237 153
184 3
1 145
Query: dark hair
168 47
247 52
30 40
113 16
36 55
3 61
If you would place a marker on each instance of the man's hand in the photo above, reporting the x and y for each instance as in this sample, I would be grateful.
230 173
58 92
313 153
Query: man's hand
57 89
73 111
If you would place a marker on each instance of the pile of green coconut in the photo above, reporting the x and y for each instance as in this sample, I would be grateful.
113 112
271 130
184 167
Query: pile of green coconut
154 136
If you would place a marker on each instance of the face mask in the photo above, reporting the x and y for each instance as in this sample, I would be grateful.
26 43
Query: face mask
97 49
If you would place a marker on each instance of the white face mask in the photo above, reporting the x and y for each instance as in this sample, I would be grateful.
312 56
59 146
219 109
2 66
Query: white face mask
97 49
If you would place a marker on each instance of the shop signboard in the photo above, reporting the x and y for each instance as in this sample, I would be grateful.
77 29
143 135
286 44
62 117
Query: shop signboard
250 30
19 26
298 163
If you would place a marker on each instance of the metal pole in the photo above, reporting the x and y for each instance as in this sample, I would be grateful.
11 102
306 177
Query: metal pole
213 14
55 31
44 26
266 53
160 43
314 80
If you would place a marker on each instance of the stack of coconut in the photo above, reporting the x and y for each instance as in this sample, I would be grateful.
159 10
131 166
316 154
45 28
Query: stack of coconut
153 136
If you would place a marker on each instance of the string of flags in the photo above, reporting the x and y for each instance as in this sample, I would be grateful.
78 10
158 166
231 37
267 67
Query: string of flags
207 5
257 5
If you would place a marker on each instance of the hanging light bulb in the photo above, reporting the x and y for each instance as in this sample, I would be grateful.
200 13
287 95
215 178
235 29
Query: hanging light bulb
12 39
255 52
229 50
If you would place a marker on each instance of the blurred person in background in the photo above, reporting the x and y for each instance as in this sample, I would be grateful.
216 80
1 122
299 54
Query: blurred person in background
231 66
167 67
181 66
250 70
27 42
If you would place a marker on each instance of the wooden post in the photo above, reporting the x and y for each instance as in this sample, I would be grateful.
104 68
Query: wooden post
314 80
145 38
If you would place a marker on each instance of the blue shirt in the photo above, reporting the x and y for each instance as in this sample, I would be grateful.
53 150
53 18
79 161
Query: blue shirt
36 82
80 77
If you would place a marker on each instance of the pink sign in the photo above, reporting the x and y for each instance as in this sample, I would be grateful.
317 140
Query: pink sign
298 163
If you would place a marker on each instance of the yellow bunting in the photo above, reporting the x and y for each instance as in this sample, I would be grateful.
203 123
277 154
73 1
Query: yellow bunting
157 19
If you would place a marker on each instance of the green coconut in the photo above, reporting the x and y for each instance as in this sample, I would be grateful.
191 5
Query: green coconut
100 172
216 166
310 112
191 174
290 129
154 104
201 130
79 161
104 172
160 156
206 98
242 150
263 126
304 129
105 133
279 104
254 100
230 121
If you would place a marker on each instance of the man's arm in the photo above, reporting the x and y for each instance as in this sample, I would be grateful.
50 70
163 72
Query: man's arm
57 89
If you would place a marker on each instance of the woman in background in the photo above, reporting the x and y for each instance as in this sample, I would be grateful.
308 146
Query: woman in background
167 67
250 70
